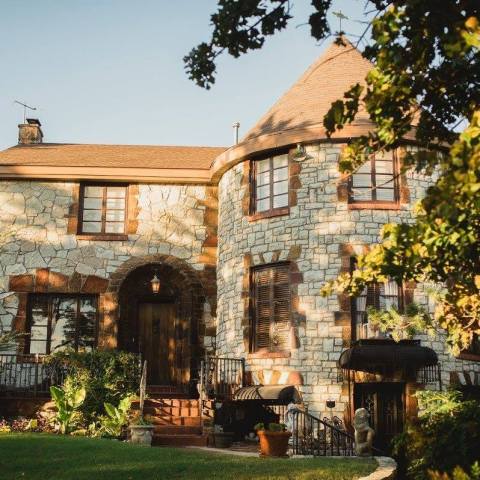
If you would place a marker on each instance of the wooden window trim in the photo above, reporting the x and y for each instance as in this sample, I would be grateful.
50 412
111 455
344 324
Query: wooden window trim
353 308
48 339
271 212
267 352
378 204
469 354
473 357
102 236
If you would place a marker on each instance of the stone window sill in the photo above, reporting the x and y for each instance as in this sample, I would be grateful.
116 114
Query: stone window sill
374 206
102 238
278 212
265 354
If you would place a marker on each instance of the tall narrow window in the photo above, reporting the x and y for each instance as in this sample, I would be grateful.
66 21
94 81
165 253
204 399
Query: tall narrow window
376 180
270 185
58 322
271 307
103 209
381 296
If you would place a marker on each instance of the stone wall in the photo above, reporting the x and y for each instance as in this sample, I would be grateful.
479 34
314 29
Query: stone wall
318 227
176 221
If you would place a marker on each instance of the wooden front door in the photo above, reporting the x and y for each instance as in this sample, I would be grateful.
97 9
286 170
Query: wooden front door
385 403
157 341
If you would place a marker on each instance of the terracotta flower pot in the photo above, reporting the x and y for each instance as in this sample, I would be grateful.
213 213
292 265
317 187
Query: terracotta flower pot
273 444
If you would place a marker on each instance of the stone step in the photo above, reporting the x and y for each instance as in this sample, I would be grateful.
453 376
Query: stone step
180 440
180 421
171 412
166 391
176 430
170 402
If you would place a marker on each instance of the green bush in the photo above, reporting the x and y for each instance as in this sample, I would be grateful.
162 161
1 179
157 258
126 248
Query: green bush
446 435
116 418
106 376
68 401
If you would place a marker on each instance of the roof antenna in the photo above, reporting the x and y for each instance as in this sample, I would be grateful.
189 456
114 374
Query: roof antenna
25 106
235 126
340 15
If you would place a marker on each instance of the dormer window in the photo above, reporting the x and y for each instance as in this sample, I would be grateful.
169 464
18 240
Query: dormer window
103 210
270 179
375 183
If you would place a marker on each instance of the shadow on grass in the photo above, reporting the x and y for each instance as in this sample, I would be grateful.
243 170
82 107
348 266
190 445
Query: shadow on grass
49 457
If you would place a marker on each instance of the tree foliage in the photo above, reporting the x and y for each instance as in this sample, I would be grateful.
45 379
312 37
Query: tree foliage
425 80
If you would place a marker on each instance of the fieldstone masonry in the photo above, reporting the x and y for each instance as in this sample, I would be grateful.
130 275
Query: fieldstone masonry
318 227
34 225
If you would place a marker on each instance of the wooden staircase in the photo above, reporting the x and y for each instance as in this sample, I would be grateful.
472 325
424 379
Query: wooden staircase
177 418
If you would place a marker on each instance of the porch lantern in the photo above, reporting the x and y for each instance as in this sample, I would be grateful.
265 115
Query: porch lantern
155 282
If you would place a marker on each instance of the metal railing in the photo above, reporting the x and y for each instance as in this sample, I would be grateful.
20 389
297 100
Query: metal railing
312 436
28 375
221 377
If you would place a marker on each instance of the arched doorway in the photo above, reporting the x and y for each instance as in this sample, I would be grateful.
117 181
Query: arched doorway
163 328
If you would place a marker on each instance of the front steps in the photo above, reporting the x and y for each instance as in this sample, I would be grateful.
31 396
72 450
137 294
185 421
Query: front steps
178 421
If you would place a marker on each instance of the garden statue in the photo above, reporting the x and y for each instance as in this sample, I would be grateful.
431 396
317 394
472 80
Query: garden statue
363 433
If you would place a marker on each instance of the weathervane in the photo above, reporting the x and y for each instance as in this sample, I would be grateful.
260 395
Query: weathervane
25 106
340 15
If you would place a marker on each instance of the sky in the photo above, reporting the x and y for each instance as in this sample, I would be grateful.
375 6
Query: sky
111 71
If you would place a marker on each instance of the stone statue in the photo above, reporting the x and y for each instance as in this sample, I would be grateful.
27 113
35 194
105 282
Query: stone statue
363 433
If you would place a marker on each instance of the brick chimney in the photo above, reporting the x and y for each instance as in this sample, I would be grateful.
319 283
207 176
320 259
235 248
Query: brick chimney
30 133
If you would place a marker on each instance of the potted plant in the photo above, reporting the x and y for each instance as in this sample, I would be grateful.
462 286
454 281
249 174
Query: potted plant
141 430
273 439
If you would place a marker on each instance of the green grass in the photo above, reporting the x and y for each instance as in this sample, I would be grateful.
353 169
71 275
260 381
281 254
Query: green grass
45 457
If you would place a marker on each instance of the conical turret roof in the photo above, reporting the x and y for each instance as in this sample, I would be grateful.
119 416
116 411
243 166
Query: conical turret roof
305 104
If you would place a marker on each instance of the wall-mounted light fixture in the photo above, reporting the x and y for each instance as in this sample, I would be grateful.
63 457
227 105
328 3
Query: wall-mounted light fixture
155 283
300 151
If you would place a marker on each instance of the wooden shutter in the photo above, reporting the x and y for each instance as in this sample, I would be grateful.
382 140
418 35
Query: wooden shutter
272 307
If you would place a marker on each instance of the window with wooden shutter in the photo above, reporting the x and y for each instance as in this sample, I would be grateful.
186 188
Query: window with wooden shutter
271 307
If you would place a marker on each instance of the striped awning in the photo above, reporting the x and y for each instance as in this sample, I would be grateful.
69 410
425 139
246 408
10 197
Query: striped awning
282 394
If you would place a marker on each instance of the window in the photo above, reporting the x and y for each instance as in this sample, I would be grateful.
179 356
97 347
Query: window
376 181
271 307
103 209
58 322
380 296
474 348
270 185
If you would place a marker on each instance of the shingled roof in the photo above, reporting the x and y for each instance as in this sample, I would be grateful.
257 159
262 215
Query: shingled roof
308 100
110 156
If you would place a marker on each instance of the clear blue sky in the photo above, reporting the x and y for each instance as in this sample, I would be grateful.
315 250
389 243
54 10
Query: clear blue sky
111 71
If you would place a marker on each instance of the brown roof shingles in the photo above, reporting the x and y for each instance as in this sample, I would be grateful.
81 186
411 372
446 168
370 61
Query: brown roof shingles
110 156
309 99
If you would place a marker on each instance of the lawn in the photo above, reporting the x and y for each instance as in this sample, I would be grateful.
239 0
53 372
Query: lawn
45 457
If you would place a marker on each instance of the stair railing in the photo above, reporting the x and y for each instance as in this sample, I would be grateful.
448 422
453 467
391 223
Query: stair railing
221 377
29 375
312 436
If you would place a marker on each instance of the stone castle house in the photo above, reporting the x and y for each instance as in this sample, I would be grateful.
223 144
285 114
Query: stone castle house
241 240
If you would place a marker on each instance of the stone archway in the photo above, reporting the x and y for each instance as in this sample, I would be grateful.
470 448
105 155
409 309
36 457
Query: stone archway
182 288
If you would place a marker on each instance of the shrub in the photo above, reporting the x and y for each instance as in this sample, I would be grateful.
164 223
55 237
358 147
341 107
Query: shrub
446 435
116 418
106 376
271 427
68 400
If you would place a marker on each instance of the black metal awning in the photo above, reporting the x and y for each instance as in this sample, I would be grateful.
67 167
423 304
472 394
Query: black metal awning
379 355
281 394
